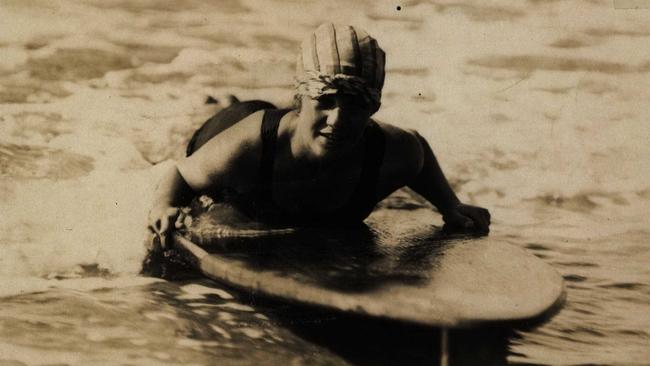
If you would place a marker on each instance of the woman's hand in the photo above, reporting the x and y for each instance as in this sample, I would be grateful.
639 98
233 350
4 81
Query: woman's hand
163 218
466 217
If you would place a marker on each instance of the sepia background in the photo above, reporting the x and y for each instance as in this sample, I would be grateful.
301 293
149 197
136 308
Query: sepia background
536 109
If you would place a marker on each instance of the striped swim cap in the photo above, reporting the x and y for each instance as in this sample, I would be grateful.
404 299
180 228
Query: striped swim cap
340 58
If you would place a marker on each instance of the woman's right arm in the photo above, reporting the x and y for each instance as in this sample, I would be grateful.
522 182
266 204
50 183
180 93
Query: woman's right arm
227 160
172 193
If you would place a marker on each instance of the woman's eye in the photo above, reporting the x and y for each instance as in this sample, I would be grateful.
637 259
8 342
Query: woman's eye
360 103
326 101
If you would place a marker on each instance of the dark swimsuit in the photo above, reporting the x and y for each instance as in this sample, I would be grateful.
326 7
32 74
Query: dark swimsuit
261 207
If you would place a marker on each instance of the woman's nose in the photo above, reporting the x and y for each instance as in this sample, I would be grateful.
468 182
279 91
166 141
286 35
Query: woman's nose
334 117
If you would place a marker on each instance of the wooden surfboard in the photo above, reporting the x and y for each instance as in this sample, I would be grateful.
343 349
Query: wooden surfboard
400 267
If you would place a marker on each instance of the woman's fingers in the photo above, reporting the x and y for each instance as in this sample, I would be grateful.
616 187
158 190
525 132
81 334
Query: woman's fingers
479 221
164 224
468 222
481 218
458 220
163 241
155 227
161 222
180 220
478 217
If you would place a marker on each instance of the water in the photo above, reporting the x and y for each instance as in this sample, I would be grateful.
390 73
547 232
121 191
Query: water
537 110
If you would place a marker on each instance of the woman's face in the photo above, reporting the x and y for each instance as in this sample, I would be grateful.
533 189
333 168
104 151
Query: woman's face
333 123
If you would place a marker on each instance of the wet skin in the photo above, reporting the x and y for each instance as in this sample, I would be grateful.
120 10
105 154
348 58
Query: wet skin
319 157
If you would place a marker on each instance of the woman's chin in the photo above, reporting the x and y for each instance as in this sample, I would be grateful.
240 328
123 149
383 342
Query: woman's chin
324 148
332 152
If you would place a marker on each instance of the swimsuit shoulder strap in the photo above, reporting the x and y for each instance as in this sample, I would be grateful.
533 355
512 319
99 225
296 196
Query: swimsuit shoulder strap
374 157
376 146
365 194
269 133
364 198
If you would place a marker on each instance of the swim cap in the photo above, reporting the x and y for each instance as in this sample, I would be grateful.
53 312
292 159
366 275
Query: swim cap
341 58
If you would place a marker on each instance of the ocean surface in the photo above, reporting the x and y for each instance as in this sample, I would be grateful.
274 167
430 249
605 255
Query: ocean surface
536 109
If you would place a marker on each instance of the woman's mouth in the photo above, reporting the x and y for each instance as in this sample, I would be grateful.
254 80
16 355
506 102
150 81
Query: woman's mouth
333 138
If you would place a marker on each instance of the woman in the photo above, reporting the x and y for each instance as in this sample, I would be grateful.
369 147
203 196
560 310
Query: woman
325 162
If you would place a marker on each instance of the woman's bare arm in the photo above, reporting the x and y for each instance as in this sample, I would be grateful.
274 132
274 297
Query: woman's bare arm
171 194
431 183
227 159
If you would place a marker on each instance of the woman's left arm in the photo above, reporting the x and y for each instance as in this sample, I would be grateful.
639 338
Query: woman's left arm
431 183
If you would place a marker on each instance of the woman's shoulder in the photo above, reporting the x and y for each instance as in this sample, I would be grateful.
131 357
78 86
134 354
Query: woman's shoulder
404 151
400 139
230 156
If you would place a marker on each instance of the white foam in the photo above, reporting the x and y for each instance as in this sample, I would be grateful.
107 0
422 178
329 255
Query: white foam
158 315
56 226
236 306
251 332
221 331
20 285
196 291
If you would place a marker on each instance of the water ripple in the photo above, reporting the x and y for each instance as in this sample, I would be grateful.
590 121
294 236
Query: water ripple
529 63
75 64
23 161
625 285
574 278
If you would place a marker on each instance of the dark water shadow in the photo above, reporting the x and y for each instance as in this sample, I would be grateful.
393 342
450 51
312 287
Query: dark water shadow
363 340
354 338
